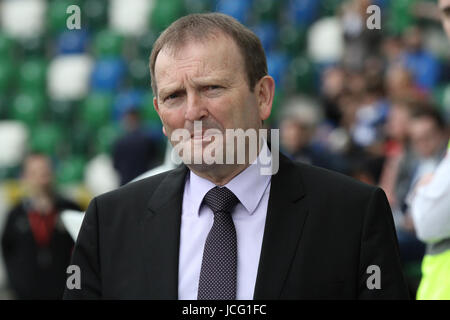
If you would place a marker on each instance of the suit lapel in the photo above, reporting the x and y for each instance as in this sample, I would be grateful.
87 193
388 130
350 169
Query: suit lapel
286 214
160 234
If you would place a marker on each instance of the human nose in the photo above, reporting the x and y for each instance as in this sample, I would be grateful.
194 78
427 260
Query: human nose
196 108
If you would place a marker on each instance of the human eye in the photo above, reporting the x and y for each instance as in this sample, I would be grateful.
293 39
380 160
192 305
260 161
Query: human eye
212 88
172 96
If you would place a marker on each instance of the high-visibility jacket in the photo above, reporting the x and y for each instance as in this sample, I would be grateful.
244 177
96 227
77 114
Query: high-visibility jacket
435 282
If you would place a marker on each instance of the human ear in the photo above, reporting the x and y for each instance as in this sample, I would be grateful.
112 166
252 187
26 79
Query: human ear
265 91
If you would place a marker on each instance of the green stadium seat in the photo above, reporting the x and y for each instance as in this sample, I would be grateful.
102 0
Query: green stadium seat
148 112
106 136
28 107
165 12
197 6
96 109
139 73
94 13
108 43
400 16
7 74
302 73
330 7
145 44
33 75
63 112
70 171
276 106
6 46
81 139
57 15
293 38
4 103
265 10
46 138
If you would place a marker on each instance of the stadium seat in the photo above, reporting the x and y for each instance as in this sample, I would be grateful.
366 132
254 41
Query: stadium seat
33 75
63 112
302 12
100 176
302 72
28 107
329 7
70 170
108 74
139 73
325 41
94 14
165 12
6 46
277 63
46 138
239 9
196 6
13 143
105 138
7 74
144 44
268 34
68 76
400 16
57 15
130 17
148 112
265 10
35 47
126 101
108 43
23 18
96 109
72 42
292 38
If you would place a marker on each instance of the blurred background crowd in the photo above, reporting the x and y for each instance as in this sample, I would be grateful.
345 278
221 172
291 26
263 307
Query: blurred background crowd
76 114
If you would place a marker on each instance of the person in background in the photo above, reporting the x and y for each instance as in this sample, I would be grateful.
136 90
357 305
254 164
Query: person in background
135 152
419 61
428 144
297 132
36 246
430 210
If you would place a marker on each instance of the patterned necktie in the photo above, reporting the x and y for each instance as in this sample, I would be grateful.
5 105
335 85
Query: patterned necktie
219 265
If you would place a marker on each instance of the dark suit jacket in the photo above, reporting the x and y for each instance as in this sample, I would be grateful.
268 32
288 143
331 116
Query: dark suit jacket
323 230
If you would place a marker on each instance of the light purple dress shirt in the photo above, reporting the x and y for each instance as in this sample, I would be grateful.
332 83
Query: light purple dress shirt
249 216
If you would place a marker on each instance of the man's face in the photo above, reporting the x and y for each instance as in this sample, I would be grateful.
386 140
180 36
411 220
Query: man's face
37 173
444 9
425 136
205 81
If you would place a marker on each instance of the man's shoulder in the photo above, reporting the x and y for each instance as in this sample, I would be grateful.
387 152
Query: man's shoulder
319 180
136 191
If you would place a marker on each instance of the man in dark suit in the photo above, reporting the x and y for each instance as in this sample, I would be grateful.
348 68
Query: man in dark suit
209 230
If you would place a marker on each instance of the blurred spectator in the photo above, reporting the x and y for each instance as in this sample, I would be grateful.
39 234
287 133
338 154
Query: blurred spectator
430 208
36 247
428 142
297 132
135 152
419 61
400 84
333 85
397 150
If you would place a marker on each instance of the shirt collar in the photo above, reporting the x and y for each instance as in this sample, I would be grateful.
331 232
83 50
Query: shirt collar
248 186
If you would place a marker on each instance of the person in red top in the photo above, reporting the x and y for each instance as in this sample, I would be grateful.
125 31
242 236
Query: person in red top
36 247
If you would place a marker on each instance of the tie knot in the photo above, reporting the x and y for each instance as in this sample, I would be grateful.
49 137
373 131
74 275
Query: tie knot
221 199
